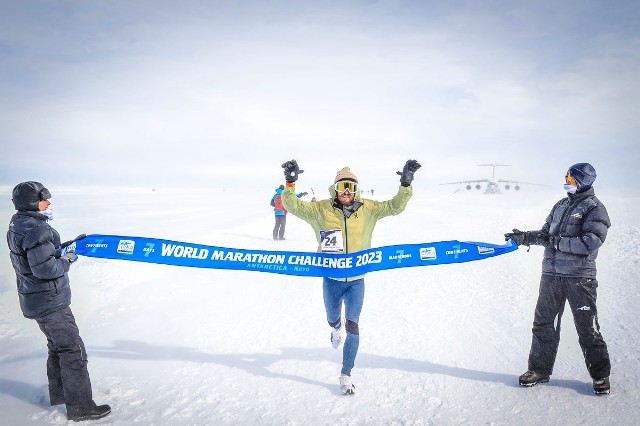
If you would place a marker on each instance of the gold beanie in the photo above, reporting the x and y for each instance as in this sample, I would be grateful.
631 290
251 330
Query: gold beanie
345 174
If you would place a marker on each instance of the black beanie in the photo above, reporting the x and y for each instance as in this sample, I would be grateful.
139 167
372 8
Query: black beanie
584 174
27 195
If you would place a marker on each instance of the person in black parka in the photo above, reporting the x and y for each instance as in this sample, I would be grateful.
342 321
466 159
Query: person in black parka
572 234
41 263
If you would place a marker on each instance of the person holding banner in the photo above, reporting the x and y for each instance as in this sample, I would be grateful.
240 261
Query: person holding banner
41 263
572 234
344 223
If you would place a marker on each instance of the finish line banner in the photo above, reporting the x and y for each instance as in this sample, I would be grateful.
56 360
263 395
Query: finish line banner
308 264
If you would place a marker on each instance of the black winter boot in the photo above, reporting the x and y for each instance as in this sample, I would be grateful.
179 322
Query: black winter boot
601 386
93 413
531 378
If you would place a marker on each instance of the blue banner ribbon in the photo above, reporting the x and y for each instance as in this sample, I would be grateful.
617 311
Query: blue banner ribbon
310 264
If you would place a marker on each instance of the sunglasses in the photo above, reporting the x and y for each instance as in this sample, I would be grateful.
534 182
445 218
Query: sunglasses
346 185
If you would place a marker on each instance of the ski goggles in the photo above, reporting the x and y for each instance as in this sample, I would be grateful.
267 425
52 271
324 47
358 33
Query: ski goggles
346 185
570 180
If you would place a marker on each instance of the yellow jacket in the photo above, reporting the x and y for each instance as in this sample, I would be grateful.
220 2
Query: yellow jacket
338 231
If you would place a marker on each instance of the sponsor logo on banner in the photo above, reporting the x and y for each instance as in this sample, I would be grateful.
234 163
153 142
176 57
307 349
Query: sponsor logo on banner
401 255
97 245
456 252
485 250
149 249
428 253
126 246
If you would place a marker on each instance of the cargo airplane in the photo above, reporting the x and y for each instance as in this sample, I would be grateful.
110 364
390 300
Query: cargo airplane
492 185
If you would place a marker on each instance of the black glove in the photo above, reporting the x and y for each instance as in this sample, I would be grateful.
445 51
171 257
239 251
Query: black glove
70 257
291 171
406 175
519 237
302 194
68 243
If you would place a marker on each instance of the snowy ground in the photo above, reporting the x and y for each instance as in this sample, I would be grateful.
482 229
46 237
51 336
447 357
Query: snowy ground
440 345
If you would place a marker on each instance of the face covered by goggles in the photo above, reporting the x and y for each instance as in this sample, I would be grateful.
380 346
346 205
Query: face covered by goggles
346 185
571 186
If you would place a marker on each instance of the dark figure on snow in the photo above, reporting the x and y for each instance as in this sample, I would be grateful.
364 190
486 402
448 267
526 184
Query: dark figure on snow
572 234
280 213
344 223
41 264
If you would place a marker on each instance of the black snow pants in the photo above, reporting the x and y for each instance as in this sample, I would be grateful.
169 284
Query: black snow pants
67 362
581 294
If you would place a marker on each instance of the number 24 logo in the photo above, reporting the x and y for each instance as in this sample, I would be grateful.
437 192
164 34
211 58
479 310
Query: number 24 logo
330 241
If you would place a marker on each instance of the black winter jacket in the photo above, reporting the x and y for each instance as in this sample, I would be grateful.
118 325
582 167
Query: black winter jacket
582 221
43 284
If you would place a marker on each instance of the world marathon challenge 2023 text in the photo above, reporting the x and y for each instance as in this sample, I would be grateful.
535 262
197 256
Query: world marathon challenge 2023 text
262 261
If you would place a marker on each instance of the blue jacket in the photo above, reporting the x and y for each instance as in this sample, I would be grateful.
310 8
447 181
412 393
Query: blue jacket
43 284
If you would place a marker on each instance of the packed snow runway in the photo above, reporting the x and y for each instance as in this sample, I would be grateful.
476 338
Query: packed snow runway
438 345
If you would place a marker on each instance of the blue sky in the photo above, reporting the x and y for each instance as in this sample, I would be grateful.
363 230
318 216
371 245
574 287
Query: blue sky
219 94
